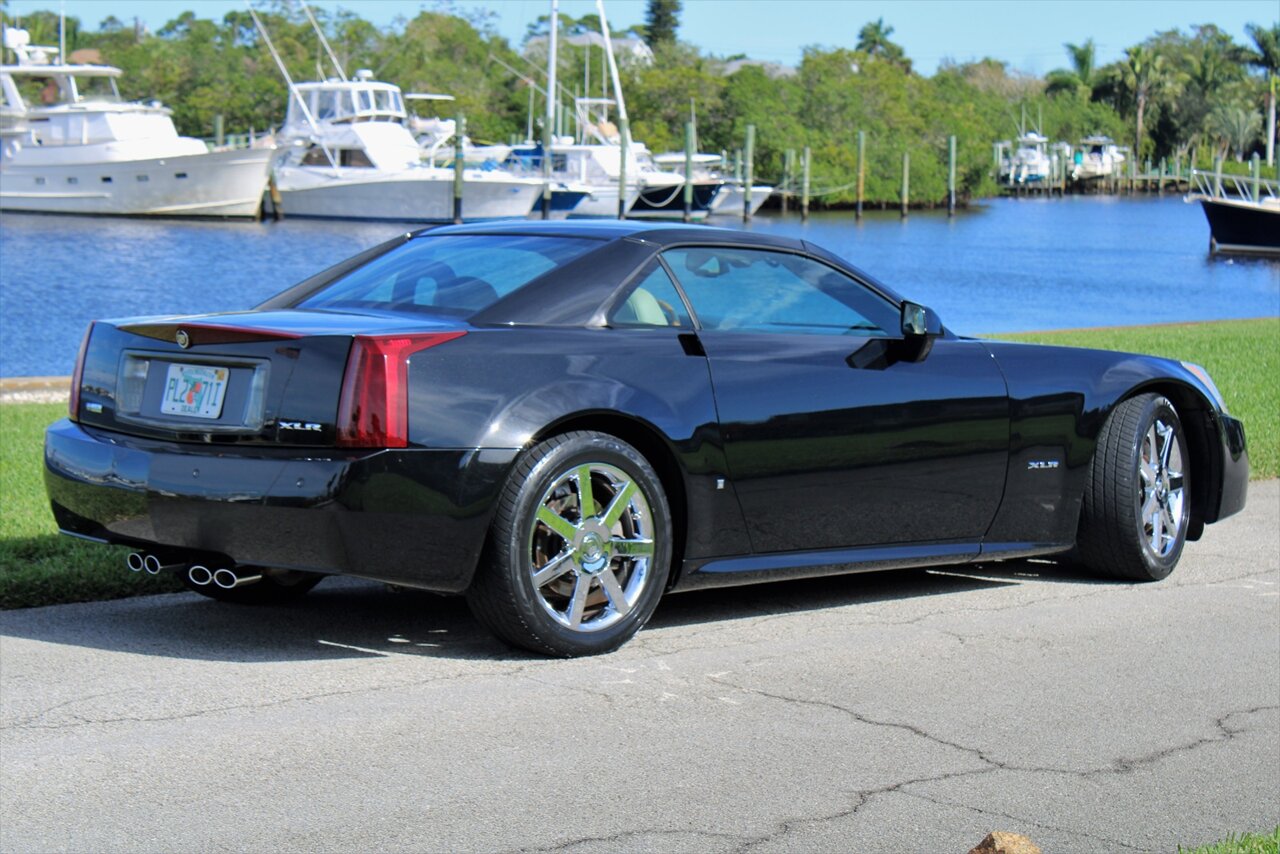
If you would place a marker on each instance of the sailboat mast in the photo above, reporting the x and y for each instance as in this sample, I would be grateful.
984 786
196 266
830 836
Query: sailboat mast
613 70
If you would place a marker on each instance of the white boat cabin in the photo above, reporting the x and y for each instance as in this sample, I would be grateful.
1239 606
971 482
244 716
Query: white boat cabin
348 124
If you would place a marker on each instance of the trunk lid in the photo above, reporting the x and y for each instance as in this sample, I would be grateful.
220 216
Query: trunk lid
245 378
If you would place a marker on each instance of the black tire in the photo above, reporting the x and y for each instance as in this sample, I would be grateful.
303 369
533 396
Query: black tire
276 588
1125 496
607 555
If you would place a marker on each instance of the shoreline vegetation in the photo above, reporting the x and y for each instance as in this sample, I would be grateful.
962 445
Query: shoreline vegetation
39 566
1190 97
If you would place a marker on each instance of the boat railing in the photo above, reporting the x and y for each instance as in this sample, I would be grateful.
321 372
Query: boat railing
1248 188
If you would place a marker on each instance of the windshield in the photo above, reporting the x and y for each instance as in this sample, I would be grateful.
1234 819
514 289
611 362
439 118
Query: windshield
457 274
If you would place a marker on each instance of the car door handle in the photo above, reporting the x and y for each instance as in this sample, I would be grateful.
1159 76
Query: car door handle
692 344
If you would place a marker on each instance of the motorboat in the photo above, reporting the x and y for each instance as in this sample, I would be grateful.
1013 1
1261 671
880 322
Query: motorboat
345 153
1096 157
1025 160
70 144
708 168
1243 212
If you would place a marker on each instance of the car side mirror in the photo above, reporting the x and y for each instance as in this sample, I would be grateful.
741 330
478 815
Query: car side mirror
920 321
920 325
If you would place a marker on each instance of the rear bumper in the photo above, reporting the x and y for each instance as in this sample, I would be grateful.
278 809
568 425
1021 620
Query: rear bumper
416 517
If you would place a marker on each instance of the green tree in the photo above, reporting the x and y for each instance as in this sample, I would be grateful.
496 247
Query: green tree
1266 57
661 20
873 40
1236 128
1080 77
1143 75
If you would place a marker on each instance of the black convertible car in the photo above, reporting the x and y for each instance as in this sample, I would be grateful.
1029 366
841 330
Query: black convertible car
565 421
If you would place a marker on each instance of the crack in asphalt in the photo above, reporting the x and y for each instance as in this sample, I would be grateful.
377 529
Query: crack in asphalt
1022 819
864 797
1122 765
616 838
81 720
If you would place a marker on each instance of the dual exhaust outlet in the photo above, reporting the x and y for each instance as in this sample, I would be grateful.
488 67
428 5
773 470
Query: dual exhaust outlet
200 576
227 579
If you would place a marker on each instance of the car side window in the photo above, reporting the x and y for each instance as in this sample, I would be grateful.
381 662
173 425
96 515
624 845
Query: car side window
652 301
763 291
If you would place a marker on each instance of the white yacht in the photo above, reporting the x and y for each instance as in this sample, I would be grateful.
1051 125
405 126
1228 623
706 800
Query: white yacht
345 153
1026 160
70 144
1097 157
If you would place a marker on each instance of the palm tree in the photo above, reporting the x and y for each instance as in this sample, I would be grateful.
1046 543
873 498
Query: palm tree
1236 127
1267 58
873 39
1144 74
1080 77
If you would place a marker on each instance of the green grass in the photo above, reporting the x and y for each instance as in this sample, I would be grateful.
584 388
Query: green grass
1242 356
1248 843
39 566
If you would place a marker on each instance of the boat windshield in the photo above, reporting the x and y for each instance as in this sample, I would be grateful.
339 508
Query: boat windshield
56 89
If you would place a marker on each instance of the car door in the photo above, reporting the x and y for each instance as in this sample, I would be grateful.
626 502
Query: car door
834 437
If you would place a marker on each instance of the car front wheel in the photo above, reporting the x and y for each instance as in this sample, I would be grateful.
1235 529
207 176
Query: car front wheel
1137 500
579 550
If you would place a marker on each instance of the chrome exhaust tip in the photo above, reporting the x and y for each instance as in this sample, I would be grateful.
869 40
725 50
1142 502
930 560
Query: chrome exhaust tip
152 564
135 561
228 580
199 575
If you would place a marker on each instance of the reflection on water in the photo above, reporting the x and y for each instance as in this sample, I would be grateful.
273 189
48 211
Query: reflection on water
1007 265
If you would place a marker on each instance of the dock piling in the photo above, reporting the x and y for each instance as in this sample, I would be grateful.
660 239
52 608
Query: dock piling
219 130
862 170
624 138
1255 178
906 181
749 171
804 186
951 176
688 171
788 175
460 163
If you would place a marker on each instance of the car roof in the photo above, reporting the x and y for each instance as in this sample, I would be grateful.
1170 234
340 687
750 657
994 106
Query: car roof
660 233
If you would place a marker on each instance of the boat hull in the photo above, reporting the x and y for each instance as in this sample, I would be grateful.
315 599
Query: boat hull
1243 227
602 201
667 201
212 184
729 201
428 197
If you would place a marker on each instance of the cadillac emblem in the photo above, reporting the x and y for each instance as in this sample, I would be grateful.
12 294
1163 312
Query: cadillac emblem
183 339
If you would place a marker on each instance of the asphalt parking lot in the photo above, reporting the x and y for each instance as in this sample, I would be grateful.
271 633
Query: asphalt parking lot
913 711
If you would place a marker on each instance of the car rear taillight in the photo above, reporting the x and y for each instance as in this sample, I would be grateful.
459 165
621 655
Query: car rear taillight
373 410
73 407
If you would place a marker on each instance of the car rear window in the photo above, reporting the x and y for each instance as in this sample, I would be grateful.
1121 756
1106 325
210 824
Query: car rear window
456 274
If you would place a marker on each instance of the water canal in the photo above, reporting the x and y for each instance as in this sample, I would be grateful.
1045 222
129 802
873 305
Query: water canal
1005 265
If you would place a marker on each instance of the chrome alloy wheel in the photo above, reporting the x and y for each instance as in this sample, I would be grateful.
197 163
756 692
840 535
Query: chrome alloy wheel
1160 467
591 547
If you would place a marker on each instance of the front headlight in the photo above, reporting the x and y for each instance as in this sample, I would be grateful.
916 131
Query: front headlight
1208 382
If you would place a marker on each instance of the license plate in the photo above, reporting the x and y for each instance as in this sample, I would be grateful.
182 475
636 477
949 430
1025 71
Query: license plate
196 391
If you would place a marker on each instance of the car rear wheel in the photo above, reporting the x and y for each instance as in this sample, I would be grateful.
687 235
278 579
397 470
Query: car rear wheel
1137 500
274 588
579 550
